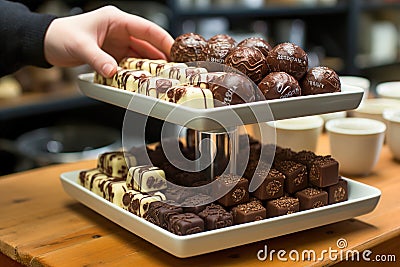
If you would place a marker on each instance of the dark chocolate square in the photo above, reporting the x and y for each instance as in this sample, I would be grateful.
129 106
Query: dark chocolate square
311 198
215 217
295 173
248 212
196 203
272 186
324 171
177 193
239 192
159 212
281 206
338 192
185 224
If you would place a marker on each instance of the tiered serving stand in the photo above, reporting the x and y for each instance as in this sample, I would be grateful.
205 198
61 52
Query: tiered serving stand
220 125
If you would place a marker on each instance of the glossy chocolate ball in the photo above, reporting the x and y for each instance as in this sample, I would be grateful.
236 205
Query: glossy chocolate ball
232 88
278 85
257 42
188 47
218 47
289 58
250 61
320 80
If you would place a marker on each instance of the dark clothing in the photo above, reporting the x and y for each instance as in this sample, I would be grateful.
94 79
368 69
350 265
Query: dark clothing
22 37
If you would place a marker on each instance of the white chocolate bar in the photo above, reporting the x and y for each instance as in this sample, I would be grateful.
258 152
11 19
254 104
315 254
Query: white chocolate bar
116 163
146 179
98 78
113 191
181 73
202 80
190 96
128 79
154 66
139 203
156 86
99 185
87 177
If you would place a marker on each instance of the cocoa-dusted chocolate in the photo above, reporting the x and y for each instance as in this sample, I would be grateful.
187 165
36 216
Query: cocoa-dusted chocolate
188 47
218 47
320 80
278 85
295 173
311 198
338 192
257 42
231 89
248 60
249 212
290 58
272 185
281 206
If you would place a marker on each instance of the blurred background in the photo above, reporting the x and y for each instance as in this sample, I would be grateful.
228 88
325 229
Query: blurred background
354 37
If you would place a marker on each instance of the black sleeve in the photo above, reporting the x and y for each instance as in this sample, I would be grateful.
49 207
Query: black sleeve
22 37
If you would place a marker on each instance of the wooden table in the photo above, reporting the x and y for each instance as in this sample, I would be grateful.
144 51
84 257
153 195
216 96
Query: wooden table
40 225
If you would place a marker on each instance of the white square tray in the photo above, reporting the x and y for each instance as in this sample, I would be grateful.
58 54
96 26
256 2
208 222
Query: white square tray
235 115
362 199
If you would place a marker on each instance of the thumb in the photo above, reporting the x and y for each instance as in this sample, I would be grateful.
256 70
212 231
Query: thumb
100 61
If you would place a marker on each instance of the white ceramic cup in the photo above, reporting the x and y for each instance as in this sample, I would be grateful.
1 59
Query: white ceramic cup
389 90
296 133
373 108
392 116
356 144
357 81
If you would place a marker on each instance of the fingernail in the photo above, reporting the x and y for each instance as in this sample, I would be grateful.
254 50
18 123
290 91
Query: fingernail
107 69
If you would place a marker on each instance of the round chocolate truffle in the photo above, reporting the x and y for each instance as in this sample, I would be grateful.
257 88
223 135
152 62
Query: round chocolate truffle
279 85
249 60
257 42
289 58
188 47
232 88
319 80
218 47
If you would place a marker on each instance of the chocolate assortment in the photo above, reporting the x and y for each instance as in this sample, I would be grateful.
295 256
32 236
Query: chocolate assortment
273 72
293 182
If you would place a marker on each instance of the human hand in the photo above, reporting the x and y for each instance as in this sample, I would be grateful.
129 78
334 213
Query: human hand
103 37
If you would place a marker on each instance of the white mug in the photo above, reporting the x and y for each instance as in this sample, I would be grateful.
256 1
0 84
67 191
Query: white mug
392 117
356 144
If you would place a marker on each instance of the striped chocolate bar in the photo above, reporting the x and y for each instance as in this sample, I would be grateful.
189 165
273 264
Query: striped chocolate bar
190 96
156 86
138 203
116 163
146 179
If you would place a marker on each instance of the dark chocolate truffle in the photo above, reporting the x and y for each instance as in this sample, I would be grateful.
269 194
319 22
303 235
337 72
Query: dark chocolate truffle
289 58
248 60
257 42
218 47
319 80
279 85
188 47
232 88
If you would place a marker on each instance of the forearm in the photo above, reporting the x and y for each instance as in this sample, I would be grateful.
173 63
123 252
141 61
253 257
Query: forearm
22 33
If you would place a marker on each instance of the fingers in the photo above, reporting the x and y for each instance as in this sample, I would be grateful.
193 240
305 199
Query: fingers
150 32
99 60
146 50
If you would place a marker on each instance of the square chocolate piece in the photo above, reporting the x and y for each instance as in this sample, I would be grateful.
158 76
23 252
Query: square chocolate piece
176 193
272 186
249 212
295 173
238 189
196 203
338 192
324 171
215 217
281 206
185 224
311 198
159 212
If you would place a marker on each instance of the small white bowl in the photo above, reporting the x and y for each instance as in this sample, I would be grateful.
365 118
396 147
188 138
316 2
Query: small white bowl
392 116
356 143
389 90
297 133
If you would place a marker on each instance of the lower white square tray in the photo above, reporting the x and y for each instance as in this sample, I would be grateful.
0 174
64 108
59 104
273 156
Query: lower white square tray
362 199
